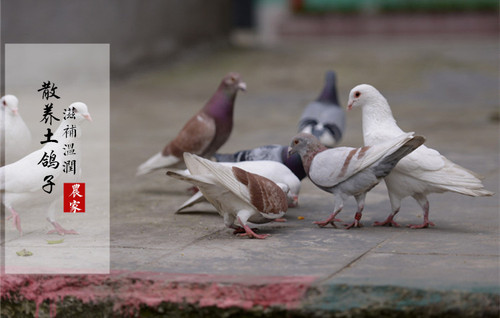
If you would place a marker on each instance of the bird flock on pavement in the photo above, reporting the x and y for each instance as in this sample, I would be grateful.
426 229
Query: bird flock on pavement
259 185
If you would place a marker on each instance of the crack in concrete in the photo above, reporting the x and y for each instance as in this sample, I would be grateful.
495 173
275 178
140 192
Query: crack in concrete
355 260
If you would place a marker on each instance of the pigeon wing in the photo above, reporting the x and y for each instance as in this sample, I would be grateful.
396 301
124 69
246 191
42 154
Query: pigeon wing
265 195
333 166
195 137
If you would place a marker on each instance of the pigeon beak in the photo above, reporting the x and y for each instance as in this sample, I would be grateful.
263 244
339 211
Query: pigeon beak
349 107
87 116
242 86
15 111
291 151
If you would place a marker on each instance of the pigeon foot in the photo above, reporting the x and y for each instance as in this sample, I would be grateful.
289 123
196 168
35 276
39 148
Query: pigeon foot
421 226
16 220
388 222
239 229
250 233
60 230
356 222
192 190
327 221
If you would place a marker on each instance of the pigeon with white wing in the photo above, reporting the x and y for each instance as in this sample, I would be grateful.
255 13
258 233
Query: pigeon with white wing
205 132
17 136
420 173
274 171
276 153
239 196
324 118
346 171
25 180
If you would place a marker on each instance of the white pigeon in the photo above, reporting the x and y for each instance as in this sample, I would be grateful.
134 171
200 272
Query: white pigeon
422 172
274 171
239 196
17 134
347 171
24 180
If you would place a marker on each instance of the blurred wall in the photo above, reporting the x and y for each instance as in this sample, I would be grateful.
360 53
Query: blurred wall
141 32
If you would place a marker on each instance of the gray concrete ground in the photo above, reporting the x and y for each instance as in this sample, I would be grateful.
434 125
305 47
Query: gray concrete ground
445 88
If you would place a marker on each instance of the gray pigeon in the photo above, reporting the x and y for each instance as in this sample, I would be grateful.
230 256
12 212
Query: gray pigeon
346 171
420 173
324 118
205 132
270 152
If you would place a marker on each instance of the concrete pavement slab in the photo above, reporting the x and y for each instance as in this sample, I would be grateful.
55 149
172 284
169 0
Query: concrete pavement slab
445 88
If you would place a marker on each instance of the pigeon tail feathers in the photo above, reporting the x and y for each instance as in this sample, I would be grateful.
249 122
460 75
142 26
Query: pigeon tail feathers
158 161
329 93
389 162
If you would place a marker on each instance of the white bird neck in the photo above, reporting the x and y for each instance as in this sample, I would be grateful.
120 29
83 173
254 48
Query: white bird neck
378 122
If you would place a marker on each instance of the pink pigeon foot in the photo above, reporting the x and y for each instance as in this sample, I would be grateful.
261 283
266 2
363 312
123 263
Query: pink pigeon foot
192 190
421 226
356 222
425 207
239 230
280 220
331 220
60 230
250 233
16 220
388 222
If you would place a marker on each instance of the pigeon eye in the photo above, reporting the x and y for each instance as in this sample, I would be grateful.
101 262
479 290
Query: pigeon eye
357 94
4 103
295 142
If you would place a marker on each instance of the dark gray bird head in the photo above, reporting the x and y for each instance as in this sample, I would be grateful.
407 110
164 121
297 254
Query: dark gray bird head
293 162
307 146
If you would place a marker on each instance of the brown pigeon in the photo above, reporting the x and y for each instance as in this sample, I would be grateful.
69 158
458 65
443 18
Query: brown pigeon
205 132
238 195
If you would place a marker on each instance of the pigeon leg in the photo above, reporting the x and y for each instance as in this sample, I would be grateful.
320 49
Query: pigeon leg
339 204
295 202
361 205
424 203
395 205
16 220
356 222
59 229
250 233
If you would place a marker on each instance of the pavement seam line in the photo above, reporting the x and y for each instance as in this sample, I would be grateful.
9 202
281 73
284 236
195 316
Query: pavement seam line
355 260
